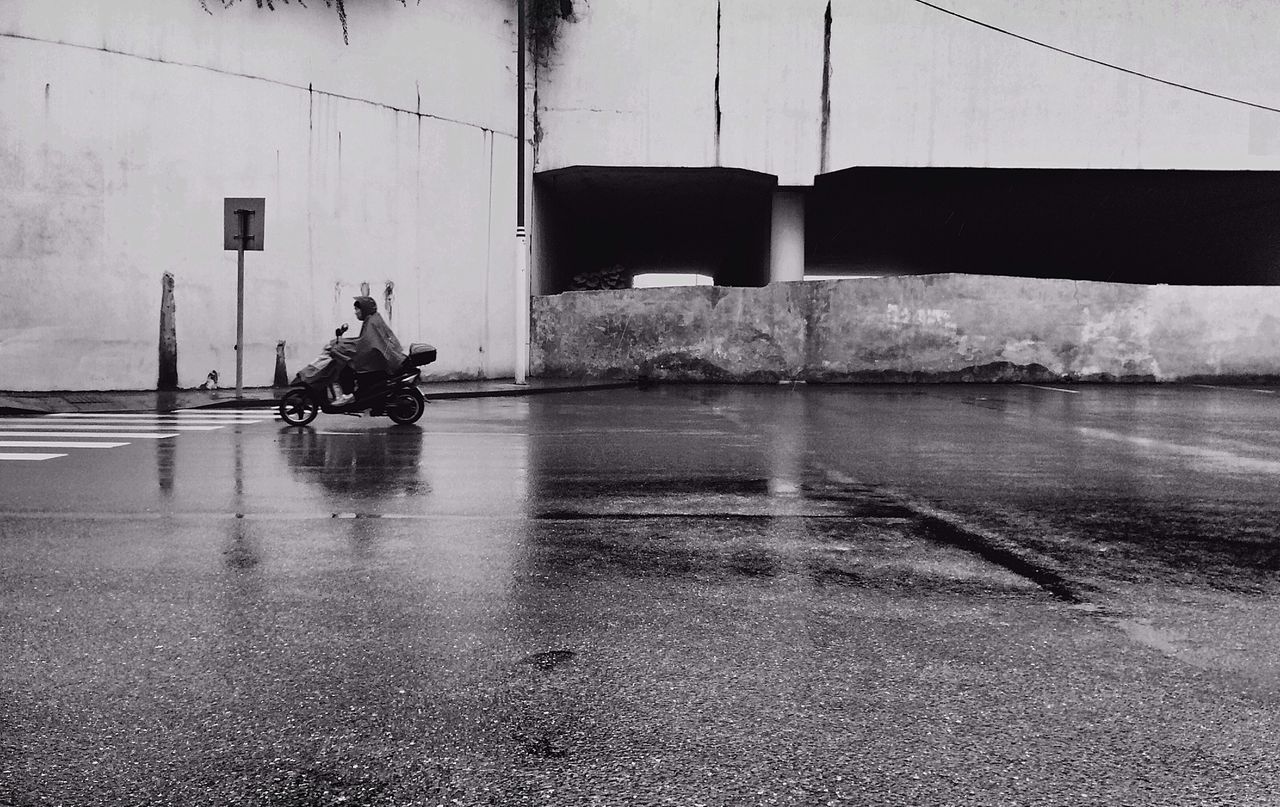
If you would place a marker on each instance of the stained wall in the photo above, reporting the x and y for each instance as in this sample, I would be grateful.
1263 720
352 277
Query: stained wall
126 123
805 87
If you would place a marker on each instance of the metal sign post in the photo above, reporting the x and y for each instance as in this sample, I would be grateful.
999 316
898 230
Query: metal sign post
242 228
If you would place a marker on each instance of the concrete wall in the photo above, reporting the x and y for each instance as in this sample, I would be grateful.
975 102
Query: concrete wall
126 123
922 328
636 84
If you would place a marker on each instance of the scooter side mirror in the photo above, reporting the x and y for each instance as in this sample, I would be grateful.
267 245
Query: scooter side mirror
341 331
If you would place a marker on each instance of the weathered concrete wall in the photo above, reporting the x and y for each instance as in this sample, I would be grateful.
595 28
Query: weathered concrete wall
922 328
740 83
126 123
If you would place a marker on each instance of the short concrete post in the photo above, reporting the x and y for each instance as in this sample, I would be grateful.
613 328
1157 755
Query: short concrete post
282 374
167 377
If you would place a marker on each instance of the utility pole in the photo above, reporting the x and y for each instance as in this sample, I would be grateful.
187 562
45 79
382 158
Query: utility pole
522 235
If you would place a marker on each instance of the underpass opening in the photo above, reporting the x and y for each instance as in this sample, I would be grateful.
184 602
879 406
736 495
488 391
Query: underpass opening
1128 226
597 227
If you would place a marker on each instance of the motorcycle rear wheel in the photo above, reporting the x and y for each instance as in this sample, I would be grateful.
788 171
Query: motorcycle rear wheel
297 408
406 405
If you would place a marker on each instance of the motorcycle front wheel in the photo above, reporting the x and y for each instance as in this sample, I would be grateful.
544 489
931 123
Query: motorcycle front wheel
406 405
297 408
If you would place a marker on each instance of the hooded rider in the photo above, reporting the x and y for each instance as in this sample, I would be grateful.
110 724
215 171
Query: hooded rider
376 349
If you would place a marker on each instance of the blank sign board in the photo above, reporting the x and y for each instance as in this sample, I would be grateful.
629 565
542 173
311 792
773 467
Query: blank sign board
231 222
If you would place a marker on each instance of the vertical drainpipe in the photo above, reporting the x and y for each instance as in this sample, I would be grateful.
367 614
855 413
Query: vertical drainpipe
522 238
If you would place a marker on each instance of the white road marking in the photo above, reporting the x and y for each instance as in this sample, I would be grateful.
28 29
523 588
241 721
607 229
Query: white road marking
1052 389
118 435
56 444
246 414
116 427
1222 459
266 410
42 424
1236 389
160 418
132 424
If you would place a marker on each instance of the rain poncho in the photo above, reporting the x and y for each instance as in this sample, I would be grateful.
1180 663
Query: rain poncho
376 349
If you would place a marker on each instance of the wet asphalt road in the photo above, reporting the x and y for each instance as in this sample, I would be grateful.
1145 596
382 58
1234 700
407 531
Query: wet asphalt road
979 595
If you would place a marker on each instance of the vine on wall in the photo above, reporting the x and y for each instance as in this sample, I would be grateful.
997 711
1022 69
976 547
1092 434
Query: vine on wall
270 5
542 16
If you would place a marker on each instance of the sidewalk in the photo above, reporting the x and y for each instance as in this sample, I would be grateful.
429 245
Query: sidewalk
43 403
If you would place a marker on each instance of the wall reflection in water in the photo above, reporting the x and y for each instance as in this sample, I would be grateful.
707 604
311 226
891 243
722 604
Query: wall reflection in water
166 460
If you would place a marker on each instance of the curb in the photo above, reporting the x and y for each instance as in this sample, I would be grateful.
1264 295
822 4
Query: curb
34 405
253 403
518 393
23 412
238 403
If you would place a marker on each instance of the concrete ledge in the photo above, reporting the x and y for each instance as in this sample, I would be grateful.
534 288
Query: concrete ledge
914 329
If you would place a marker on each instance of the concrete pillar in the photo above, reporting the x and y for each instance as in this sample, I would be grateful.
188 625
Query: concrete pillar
786 249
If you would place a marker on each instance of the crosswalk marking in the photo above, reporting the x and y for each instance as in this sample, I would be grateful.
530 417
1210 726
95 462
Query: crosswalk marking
129 424
106 435
57 444
157 419
104 430
266 410
158 416
39 423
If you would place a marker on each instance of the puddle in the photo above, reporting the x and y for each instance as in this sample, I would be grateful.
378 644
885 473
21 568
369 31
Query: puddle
549 659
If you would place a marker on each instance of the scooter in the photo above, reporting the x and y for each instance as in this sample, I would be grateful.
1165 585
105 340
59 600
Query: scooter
394 393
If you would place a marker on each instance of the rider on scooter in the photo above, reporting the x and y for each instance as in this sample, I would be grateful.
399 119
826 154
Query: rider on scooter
376 349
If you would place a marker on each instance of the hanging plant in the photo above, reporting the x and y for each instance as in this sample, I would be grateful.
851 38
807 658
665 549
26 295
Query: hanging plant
543 18
270 5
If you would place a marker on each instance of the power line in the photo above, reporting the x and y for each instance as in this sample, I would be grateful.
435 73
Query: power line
1097 61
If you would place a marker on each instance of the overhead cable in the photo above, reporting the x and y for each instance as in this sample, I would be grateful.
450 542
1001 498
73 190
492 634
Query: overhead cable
1074 55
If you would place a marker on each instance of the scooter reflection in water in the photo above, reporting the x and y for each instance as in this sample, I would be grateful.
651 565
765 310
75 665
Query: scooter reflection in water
379 463
370 372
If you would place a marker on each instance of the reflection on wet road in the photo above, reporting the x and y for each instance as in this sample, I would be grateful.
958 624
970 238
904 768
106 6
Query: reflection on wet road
684 595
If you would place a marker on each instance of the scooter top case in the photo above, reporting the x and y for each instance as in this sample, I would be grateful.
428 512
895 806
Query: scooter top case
420 353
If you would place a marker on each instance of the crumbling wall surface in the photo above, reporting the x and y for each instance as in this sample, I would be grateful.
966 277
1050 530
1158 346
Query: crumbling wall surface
1216 332
921 328
690 333
966 327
